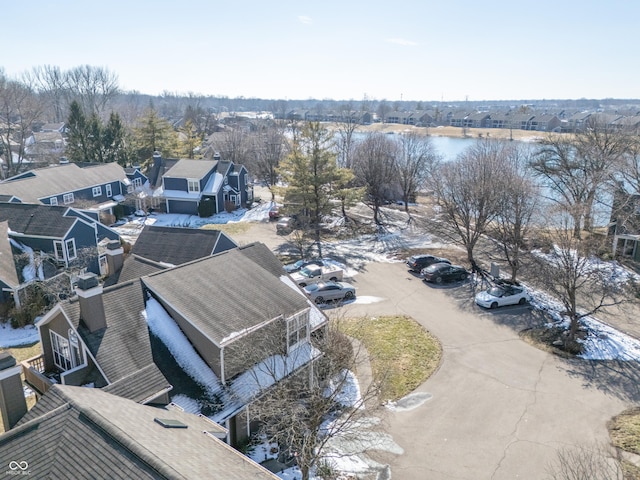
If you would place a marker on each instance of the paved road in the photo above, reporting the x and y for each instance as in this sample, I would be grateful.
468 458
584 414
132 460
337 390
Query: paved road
500 409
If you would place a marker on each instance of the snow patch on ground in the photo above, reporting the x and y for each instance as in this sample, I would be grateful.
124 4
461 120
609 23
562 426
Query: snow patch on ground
15 337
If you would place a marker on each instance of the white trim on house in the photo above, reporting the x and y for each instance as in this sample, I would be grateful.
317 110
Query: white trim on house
108 190
68 198
53 201
96 191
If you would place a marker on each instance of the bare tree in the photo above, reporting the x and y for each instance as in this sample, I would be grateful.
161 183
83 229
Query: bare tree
271 147
234 145
20 108
375 169
468 192
518 203
572 273
413 162
346 125
92 87
305 412
52 85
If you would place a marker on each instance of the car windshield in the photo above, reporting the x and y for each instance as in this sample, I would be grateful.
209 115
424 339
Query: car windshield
298 264
434 267
307 272
496 291
312 288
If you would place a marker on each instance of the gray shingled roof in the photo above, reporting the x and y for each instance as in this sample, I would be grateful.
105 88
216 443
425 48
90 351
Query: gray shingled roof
51 181
176 246
185 168
227 292
88 433
133 268
123 347
33 219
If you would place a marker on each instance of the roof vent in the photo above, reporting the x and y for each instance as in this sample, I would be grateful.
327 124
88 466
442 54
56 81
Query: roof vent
169 423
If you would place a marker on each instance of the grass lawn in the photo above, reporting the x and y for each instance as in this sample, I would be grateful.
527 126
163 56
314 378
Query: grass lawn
401 352
230 229
624 431
21 354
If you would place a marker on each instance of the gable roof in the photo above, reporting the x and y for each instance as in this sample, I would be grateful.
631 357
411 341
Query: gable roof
122 348
176 246
51 181
226 293
36 219
133 268
88 433
186 168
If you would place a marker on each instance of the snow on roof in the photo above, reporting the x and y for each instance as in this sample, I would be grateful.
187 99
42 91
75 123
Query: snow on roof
181 194
213 185
244 388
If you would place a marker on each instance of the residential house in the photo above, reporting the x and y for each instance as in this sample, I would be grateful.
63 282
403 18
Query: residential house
499 120
578 121
44 148
545 123
99 337
238 309
456 119
76 432
95 187
48 240
520 121
477 120
629 124
422 118
190 182
624 225
175 246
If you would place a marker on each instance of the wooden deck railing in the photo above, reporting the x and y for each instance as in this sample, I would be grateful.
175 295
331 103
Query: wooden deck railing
33 370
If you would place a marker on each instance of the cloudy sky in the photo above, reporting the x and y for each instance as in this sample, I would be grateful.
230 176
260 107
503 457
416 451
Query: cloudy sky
409 50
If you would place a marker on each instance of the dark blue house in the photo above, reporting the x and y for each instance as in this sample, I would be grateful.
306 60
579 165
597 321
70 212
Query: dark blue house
47 240
190 182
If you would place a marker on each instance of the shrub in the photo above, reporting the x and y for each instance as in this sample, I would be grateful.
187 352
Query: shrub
229 206
205 207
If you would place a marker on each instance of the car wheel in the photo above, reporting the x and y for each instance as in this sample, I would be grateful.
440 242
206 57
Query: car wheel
348 295
522 301
333 279
319 300
494 305
438 280
303 285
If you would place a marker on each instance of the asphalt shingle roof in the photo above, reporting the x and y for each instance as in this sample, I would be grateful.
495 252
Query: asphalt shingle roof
89 433
227 292
122 348
47 182
176 246
8 273
186 168
37 220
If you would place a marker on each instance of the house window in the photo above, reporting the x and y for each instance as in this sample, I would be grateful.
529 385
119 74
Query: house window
129 188
97 191
74 347
53 201
107 189
71 249
193 185
59 250
104 266
137 182
298 330
61 351
246 179
67 198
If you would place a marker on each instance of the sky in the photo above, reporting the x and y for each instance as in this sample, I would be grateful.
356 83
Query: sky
341 50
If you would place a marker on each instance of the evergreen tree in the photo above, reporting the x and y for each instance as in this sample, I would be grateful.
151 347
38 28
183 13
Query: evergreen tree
77 142
154 133
114 141
310 172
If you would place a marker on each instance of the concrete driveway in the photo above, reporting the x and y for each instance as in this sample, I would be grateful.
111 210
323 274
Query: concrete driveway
500 409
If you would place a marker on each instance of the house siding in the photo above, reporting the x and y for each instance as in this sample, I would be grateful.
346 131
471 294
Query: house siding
59 325
209 352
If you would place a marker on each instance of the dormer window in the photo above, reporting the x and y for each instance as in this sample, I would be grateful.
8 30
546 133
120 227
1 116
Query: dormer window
67 198
193 185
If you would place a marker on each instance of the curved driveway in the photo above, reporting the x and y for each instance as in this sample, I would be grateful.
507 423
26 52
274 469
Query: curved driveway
500 409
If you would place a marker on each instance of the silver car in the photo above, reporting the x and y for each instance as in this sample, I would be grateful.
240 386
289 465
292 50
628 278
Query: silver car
324 292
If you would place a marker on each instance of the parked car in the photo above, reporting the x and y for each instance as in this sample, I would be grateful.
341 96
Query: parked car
274 212
502 295
444 272
315 274
285 226
323 292
296 266
419 262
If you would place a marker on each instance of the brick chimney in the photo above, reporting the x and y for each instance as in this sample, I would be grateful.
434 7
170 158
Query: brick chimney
89 293
115 257
13 405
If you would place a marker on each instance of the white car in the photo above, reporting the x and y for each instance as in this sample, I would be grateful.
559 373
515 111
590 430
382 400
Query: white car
327 291
502 295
